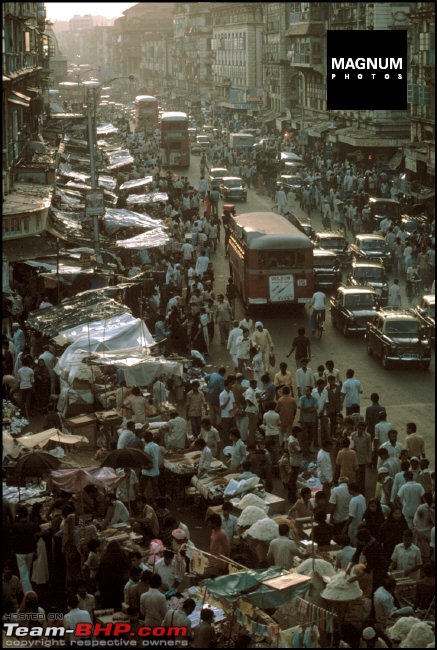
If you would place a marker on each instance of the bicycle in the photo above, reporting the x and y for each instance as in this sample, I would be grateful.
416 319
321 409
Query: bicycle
319 324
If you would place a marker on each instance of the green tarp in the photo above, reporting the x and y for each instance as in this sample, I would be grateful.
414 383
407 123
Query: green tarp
247 585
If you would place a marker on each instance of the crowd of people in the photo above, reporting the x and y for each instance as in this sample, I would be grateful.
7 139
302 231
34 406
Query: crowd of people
376 488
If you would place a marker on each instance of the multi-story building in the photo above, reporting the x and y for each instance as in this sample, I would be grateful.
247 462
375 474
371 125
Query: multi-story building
276 65
28 164
420 152
237 43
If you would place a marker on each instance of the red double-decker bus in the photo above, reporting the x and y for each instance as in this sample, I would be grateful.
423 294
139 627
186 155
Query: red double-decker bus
147 114
175 140
270 260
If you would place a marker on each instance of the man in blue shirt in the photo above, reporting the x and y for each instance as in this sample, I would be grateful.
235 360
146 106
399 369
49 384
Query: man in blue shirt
216 384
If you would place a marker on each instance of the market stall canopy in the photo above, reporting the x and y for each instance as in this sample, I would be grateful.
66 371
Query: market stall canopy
44 437
136 182
146 199
249 585
120 218
139 368
151 239
74 480
119 159
115 333
106 129
11 445
74 311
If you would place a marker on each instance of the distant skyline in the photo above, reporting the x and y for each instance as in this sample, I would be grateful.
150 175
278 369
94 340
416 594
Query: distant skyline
66 11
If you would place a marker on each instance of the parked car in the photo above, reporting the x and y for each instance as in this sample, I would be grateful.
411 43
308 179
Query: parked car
380 208
398 335
352 307
426 312
334 241
292 166
216 176
327 268
303 223
371 274
233 188
290 183
370 248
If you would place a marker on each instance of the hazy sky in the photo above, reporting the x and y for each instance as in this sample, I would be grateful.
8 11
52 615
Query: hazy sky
65 11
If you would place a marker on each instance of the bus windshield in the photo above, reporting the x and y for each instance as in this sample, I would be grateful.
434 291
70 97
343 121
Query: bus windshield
147 113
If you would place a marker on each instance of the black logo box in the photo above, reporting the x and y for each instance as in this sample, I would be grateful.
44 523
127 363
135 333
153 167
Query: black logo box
373 91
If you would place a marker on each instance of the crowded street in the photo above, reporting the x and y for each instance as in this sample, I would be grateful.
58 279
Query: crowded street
218 337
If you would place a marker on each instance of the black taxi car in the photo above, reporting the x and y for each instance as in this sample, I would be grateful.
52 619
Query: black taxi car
371 274
327 268
352 307
426 312
398 335
370 248
334 241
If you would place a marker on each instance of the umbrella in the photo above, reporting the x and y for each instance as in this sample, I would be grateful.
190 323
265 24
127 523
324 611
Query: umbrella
34 463
127 458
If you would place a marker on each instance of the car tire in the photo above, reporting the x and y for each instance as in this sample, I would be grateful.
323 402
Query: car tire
384 360
345 329
369 347
425 365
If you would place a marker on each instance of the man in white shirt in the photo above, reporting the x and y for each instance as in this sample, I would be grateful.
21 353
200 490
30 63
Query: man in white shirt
384 604
321 395
318 303
252 408
406 557
283 550
351 391
187 251
202 264
229 521
227 404
381 430
393 447
272 428
304 377
232 346
45 303
325 473
165 568
75 616
153 604
409 496
339 504
357 508
126 435
177 436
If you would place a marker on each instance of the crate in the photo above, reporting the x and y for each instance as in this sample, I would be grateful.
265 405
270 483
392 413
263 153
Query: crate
83 425
78 409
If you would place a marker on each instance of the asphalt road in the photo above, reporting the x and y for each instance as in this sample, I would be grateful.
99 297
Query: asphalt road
408 393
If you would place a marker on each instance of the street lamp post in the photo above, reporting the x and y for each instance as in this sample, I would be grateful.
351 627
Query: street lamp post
94 205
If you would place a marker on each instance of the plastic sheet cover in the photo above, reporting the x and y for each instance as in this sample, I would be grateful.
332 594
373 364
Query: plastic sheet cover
74 480
247 585
151 239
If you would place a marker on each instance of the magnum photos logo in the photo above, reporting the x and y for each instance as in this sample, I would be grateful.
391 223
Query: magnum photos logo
366 70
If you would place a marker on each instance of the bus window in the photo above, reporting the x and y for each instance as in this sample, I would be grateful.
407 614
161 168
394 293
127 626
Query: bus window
175 142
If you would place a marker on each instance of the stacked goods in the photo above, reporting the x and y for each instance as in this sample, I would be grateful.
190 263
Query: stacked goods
264 530
250 515
419 635
341 590
322 567
252 500
400 629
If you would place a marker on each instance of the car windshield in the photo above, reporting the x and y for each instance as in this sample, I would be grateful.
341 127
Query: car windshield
359 301
218 172
332 242
325 262
403 327
372 245
369 274
235 182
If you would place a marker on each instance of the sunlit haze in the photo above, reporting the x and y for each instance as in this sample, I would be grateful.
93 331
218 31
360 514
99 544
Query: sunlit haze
65 11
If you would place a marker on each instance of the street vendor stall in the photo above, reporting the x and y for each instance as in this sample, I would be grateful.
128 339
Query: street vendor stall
181 468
